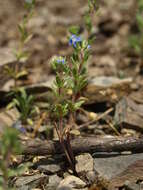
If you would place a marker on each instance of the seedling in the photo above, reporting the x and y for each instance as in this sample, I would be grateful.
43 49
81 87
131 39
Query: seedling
71 79
21 54
25 105
21 100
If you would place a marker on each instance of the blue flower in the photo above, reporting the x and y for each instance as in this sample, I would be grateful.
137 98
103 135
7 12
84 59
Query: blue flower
18 125
61 60
89 47
74 40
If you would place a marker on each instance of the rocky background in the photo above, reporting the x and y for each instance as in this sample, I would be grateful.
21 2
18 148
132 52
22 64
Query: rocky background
114 109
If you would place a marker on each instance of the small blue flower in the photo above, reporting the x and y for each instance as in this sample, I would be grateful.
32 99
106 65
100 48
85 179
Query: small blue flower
61 61
71 39
74 40
89 47
18 125
22 130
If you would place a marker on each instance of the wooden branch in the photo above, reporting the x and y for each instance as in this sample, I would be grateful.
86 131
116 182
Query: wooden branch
87 144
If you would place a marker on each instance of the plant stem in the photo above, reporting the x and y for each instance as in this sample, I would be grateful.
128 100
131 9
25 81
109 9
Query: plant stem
65 148
69 147
68 155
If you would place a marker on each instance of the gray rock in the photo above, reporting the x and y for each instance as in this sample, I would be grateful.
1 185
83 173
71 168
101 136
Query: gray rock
50 168
108 82
50 187
54 181
131 186
109 166
65 188
24 187
129 113
30 181
102 84
141 185
84 163
71 182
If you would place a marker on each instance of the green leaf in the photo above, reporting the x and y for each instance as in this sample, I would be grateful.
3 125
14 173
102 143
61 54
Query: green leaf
21 74
23 32
24 103
21 29
9 71
22 56
29 4
13 104
86 56
78 104
75 58
29 37
88 22
74 30
58 81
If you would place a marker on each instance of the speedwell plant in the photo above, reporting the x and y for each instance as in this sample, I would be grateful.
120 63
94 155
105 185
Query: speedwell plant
24 37
71 79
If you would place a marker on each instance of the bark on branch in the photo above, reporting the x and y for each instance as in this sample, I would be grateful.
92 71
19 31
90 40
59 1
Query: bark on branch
87 144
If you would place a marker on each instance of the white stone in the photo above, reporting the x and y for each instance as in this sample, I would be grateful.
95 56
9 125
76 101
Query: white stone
84 163
71 182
